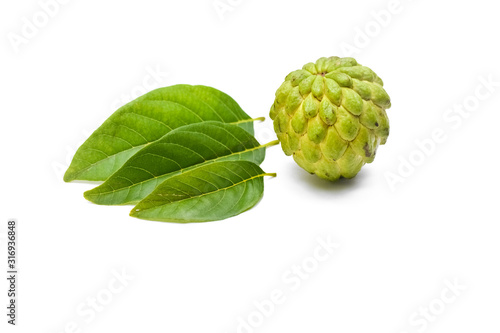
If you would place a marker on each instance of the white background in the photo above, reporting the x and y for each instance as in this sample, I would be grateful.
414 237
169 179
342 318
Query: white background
398 246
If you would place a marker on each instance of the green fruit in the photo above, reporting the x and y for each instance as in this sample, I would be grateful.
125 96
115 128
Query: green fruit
330 115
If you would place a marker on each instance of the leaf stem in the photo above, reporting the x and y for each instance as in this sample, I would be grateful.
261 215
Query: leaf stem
249 120
270 174
272 143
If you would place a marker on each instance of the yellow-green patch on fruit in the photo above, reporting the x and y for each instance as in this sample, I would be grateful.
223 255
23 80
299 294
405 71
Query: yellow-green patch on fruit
333 147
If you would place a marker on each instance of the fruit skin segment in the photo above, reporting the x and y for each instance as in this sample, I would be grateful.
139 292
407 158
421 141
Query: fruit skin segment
330 116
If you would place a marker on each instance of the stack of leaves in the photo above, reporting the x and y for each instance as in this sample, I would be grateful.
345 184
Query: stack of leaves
180 154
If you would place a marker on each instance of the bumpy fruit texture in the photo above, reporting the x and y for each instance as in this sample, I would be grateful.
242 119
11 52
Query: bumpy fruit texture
330 115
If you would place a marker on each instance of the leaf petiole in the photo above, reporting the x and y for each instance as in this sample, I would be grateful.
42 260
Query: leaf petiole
243 121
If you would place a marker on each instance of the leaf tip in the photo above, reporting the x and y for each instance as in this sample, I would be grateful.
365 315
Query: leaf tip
68 176
90 196
134 212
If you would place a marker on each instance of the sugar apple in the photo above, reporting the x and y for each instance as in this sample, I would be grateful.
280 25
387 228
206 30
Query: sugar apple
330 115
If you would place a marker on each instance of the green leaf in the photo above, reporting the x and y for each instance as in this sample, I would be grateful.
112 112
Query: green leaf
147 119
212 192
182 149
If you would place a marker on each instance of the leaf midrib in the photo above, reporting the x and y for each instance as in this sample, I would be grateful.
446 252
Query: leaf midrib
182 170
90 166
263 174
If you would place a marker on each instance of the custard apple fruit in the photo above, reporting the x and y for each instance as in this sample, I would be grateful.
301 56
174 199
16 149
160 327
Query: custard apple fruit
330 115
